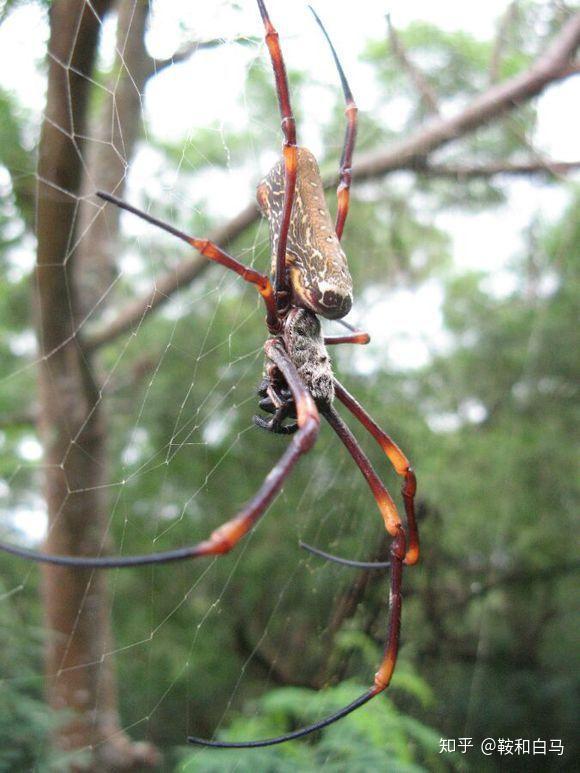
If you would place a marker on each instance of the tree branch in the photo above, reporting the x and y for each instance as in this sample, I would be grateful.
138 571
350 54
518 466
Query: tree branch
176 279
25 419
420 82
573 68
258 656
526 577
470 171
183 54
552 66
505 23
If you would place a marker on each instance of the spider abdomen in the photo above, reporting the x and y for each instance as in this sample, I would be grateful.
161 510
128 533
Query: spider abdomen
316 263
305 346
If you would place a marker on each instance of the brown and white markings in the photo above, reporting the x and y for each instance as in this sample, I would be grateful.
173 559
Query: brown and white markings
316 264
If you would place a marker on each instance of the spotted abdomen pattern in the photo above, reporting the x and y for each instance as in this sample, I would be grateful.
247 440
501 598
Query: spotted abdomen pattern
315 261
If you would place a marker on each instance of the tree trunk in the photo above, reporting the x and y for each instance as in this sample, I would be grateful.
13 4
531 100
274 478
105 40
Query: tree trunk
79 679
109 152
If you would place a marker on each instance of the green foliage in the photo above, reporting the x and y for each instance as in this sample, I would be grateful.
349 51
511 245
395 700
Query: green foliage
25 721
15 155
489 422
496 482
207 147
362 741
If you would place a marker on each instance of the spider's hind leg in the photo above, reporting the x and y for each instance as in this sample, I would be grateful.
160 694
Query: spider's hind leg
367 565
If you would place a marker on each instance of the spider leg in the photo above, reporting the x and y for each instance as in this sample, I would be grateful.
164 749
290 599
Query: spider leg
225 537
344 561
275 424
356 336
387 666
401 466
300 733
351 111
281 405
212 252
383 499
397 458
289 152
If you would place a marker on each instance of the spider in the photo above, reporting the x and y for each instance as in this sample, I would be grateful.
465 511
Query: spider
310 279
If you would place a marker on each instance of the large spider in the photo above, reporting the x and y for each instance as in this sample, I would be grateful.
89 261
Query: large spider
310 278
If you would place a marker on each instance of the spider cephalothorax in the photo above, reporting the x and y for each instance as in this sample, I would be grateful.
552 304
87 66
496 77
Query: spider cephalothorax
310 278
305 346
303 341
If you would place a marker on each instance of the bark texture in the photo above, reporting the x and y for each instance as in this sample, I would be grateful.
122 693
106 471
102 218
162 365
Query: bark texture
110 148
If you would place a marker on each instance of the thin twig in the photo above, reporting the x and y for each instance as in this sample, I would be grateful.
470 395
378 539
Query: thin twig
551 67
506 21
470 171
525 578
420 82
279 673
184 53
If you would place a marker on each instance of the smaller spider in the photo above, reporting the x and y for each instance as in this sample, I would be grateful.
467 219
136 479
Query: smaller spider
311 278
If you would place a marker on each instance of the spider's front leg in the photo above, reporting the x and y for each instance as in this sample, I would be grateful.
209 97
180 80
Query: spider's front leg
353 337
277 400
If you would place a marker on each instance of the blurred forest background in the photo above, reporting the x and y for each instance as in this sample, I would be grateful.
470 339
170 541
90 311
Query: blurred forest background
142 400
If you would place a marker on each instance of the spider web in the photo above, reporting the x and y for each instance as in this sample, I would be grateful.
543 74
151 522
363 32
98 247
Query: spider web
176 387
